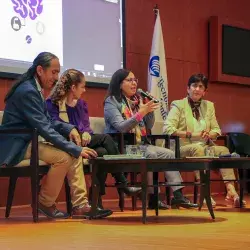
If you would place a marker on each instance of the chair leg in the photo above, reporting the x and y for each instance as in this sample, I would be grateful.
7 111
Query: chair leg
156 191
168 195
195 192
34 193
89 196
11 191
68 196
243 187
134 197
121 199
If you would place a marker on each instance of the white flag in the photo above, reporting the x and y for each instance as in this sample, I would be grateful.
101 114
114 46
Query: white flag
157 72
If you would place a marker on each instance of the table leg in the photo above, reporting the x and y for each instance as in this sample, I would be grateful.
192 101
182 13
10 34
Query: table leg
202 189
205 178
144 184
95 189
156 191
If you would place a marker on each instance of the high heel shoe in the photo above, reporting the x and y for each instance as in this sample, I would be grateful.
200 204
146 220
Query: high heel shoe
212 201
234 201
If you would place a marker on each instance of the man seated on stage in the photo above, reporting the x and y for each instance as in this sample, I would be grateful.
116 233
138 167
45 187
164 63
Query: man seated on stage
193 120
26 108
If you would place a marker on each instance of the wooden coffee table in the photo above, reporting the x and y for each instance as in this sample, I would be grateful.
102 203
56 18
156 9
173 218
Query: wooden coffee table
143 166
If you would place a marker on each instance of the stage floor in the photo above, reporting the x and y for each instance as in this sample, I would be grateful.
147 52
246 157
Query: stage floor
173 229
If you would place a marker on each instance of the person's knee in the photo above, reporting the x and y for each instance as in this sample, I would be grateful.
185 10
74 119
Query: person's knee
107 137
221 150
198 150
151 154
68 161
65 160
101 151
165 153
170 154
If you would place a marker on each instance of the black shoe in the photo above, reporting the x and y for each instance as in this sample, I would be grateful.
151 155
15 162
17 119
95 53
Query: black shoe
85 213
182 202
152 203
101 213
161 205
130 191
52 212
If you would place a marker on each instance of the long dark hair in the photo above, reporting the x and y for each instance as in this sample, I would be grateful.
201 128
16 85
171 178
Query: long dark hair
114 88
43 59
68 78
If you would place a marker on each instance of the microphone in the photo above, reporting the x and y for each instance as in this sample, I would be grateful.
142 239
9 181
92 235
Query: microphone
147 95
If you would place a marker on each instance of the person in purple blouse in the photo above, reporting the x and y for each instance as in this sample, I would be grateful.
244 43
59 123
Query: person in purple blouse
65 104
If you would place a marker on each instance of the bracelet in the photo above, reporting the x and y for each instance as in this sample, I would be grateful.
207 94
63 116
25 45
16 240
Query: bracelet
138 117
188 135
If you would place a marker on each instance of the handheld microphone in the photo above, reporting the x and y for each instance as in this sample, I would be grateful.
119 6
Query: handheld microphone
147 95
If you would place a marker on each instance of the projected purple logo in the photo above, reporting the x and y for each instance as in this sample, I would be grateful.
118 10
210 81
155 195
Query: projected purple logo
25 8
28 39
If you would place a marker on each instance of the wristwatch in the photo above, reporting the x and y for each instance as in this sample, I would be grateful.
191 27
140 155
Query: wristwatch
188 135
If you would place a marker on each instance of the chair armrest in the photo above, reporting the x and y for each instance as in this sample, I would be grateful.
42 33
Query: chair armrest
17 131
222 137
177 145
225 139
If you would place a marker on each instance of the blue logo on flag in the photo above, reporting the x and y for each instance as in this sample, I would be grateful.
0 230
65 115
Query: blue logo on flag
154 66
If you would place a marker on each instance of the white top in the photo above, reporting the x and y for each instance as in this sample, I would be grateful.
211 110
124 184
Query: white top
198 127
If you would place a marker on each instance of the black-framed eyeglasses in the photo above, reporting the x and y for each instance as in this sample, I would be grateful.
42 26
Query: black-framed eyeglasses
198 85
130 80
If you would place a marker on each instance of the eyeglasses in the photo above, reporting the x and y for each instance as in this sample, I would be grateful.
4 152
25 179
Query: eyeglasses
130 80
197 85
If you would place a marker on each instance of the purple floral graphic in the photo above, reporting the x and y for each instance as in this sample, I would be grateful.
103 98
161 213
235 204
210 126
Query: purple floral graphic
31 8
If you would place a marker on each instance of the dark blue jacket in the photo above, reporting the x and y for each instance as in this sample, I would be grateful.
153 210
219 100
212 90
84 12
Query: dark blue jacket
26 108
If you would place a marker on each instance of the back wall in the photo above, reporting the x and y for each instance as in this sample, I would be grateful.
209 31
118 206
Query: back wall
185 30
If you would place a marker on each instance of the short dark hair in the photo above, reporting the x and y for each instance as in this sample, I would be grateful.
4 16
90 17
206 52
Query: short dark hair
114 88
43 59
198 78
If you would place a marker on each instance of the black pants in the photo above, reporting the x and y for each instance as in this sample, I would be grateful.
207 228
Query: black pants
103 144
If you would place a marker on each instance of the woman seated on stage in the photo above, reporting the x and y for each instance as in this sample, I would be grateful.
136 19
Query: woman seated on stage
124 111
65 104
193 120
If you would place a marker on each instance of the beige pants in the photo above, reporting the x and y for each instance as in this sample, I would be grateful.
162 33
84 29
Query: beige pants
199 150
62 165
